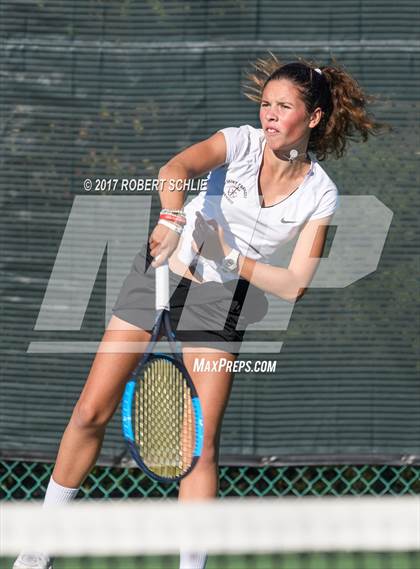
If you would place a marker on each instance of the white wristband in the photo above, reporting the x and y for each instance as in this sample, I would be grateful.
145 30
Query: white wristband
173 226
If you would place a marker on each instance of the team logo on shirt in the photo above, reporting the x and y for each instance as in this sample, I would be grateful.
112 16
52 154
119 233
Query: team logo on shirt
234 190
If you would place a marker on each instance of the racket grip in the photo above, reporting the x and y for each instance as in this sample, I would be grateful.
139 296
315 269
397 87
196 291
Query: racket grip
162 287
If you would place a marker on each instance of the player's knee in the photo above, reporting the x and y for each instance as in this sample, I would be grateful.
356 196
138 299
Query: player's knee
88 416
210 452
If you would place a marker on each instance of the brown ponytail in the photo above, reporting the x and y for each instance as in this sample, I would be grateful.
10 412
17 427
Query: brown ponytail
340 97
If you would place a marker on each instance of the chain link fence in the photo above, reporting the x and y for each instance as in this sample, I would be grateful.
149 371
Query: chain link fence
28 481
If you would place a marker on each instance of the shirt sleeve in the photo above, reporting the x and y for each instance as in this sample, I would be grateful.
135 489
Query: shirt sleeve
327 204
237 142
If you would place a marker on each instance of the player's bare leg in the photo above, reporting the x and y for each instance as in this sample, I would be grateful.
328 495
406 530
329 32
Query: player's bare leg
213 390
82 439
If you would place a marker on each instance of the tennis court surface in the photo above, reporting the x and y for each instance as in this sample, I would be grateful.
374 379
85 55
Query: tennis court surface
288 533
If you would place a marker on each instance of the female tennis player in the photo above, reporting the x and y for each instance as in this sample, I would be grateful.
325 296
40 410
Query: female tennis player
265 186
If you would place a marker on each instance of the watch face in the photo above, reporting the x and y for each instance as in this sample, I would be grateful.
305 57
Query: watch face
229 264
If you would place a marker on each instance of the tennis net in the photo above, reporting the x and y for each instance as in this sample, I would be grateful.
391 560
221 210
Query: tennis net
287 533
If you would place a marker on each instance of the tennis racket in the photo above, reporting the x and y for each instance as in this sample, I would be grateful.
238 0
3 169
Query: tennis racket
162 420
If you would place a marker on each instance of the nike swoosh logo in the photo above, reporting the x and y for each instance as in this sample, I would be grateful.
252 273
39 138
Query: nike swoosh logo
287 220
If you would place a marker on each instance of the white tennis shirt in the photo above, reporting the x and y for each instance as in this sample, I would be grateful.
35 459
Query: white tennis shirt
232 199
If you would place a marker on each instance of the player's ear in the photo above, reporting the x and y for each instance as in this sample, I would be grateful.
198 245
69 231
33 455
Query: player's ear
315 117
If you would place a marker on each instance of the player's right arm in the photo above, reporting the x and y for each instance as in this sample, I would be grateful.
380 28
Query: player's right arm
192 162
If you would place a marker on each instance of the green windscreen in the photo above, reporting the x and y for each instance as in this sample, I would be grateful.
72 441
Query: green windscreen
110 90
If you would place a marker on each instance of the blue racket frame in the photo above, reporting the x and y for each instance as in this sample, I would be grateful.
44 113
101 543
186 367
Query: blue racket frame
163 319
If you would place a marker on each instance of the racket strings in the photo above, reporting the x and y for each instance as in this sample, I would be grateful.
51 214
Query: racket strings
164 419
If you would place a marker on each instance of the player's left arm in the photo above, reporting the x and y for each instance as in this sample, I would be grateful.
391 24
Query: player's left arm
291 283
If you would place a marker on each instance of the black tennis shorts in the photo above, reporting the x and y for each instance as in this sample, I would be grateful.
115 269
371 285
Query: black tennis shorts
209 314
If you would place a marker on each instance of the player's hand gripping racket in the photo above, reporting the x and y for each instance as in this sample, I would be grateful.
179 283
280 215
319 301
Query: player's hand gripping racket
161 412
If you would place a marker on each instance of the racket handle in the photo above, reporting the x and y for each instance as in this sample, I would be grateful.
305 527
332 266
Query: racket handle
162 287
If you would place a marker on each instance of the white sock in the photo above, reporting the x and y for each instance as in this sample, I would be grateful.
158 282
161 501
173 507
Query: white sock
57 495
190 560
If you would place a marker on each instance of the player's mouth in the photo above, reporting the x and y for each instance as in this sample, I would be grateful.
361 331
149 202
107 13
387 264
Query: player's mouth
271 131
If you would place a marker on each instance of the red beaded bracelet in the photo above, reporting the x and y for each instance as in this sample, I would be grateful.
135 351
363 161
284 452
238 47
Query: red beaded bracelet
176 219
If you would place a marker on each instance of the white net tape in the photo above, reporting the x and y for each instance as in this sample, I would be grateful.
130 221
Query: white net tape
220 526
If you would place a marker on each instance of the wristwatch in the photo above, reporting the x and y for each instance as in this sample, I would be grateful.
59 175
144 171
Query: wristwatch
231 261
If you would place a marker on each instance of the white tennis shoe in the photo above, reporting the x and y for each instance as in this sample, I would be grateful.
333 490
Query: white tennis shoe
31 561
